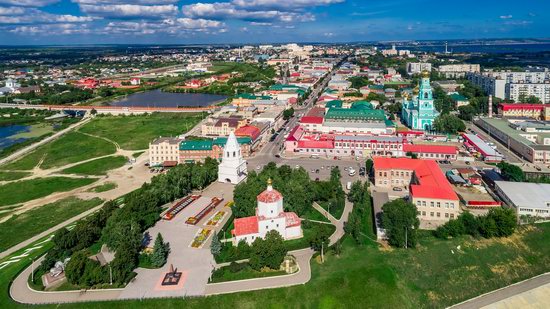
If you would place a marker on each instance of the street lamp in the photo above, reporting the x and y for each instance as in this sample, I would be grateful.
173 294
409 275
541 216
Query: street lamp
32 269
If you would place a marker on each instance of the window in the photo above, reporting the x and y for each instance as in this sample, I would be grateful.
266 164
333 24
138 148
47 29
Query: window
431 204
438 214
452 216
418 203
438 204
424 203
423 213
431 214
446 215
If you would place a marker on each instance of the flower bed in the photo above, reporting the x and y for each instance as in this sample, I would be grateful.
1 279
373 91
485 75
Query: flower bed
201 238
216 218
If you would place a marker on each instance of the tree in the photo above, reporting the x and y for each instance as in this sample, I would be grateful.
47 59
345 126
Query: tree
269 252
216 245
511 172
93 112
400 222
353 226
412 155
449 124
160 252
288 113
467 112
505 222
320 237
529 99
368 166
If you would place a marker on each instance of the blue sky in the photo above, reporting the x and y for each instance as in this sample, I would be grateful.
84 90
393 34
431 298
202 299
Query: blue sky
262 21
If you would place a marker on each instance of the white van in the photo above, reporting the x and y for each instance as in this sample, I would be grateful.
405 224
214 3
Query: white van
348 185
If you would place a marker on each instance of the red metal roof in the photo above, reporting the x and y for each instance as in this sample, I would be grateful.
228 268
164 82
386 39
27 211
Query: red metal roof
323 144
295 134
432 182
248 130
245 226
430 149
270 195
522 106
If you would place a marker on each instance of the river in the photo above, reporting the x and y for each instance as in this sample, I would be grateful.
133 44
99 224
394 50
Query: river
158 98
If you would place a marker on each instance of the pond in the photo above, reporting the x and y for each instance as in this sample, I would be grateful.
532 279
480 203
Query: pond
158 98
17 133
8 135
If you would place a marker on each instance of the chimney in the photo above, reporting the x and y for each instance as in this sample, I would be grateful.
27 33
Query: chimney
490 106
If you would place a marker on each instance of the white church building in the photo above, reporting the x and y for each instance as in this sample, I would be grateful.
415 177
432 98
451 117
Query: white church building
269 216
233 166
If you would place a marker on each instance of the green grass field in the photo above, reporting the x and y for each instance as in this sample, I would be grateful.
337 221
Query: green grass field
97 167
103 187
27 190
225 274
24 226
136 132
70 148
9 176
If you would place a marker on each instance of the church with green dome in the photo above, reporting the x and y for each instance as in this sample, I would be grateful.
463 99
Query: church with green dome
419 112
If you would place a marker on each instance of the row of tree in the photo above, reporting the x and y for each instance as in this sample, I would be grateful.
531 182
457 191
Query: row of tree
498 222
121 229
359 220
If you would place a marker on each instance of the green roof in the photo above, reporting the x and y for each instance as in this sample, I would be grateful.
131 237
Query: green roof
281 87
251 96
196 145
333 103
208 143
458 97
361 104
221 141
356 114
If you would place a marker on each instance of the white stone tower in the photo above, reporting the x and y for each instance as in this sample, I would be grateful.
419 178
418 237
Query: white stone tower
233 166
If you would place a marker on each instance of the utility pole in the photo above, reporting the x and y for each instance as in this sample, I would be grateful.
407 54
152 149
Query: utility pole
32 270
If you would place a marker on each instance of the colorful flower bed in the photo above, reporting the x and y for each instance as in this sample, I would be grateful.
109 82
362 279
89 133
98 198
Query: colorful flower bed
200 238
216 219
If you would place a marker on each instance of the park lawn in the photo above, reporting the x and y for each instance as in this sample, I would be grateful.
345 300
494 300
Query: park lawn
136 132
108 186
336 212
70 148
27 190
98 166
313 214
24 226
223 274
9 176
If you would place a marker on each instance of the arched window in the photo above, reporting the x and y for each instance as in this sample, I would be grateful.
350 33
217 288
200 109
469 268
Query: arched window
234 154
425 95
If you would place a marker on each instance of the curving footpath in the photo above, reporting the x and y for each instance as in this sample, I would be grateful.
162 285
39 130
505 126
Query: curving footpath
302 276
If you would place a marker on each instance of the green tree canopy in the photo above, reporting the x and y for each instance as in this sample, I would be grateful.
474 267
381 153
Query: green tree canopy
401 223
449 124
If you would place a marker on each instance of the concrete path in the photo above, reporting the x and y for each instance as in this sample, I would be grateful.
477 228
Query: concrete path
301 277
24 151
527 291
22 293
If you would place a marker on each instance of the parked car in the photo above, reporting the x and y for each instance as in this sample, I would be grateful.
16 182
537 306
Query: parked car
397 189
348 185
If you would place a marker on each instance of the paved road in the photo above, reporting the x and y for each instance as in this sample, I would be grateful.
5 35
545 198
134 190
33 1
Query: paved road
301 277
507 292
511 157
24 151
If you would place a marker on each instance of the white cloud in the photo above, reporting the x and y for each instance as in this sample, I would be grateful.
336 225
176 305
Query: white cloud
53 29
505 16
283 5
13 10
172 26
17 15
130 10
224 11
29 3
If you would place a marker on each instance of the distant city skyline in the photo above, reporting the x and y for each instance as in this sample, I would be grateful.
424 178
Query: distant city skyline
265 21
